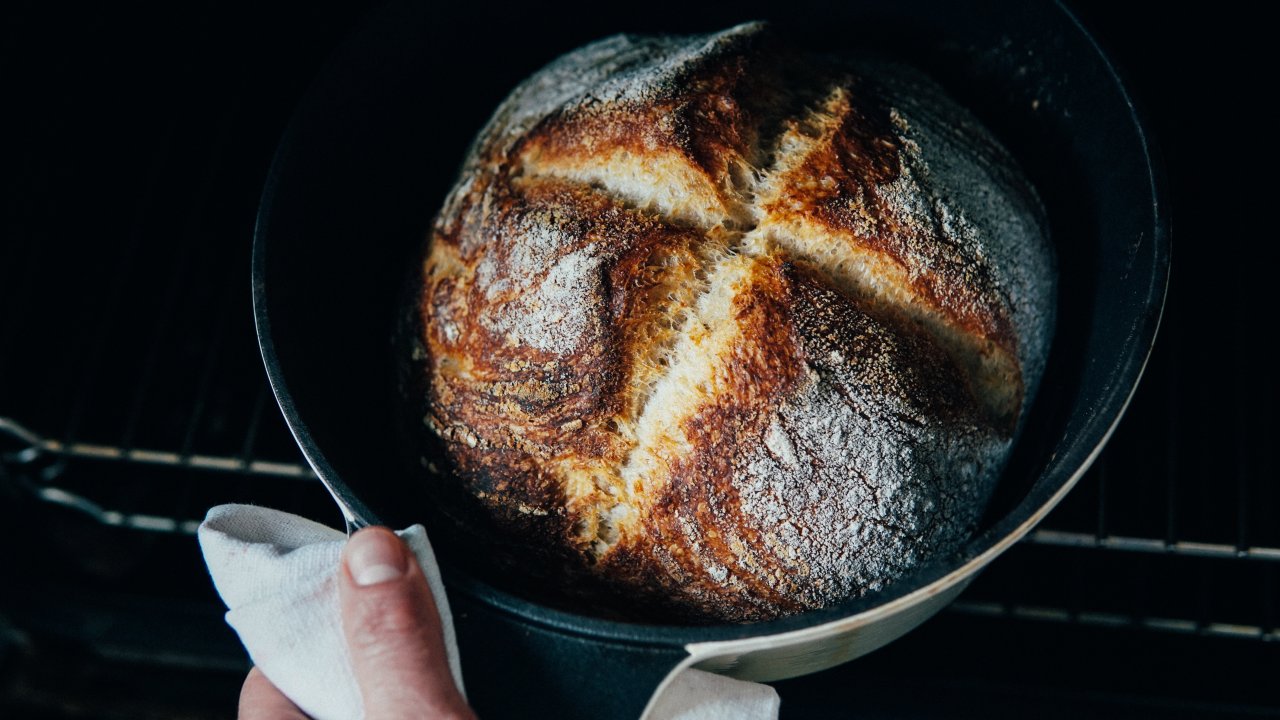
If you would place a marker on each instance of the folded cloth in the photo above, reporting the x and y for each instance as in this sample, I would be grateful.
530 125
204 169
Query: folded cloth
277 574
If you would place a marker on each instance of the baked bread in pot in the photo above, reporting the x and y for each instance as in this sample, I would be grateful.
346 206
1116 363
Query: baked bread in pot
728 330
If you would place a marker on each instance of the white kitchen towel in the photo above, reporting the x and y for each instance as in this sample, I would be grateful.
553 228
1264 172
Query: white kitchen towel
277 573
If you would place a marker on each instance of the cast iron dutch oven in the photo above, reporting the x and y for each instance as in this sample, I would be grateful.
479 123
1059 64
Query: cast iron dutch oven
375 146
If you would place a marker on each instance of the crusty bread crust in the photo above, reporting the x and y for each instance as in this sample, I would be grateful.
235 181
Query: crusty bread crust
737 331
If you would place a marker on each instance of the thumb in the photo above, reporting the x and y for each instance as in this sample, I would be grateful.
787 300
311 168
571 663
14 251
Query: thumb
393 631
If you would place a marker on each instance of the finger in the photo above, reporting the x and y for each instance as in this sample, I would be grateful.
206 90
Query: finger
260 700
393 631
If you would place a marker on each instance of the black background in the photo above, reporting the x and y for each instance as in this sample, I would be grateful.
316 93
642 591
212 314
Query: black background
107 113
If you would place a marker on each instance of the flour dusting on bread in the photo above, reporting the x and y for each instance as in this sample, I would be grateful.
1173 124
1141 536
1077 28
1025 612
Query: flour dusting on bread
734 330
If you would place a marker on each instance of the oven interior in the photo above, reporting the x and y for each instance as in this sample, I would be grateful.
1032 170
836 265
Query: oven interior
132 398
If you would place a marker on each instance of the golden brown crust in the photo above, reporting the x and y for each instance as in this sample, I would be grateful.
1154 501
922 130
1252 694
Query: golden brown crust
697 513
721 552
840 186
714 330
700 123
522 405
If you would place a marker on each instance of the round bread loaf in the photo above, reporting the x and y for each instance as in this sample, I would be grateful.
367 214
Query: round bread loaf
734 330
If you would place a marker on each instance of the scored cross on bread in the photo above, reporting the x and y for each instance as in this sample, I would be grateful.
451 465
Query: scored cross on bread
733 330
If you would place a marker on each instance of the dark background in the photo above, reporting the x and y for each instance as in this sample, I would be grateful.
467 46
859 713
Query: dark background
136 141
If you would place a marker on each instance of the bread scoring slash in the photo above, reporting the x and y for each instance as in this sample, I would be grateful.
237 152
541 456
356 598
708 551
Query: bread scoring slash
731 330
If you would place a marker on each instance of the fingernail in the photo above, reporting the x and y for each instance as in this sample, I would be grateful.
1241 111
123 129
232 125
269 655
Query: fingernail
375 556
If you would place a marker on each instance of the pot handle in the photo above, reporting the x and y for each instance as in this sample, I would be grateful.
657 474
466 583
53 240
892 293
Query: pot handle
516 669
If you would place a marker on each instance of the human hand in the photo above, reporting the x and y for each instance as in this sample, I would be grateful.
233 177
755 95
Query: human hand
393 631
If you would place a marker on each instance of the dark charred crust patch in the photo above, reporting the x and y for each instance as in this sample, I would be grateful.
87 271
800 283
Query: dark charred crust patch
868 350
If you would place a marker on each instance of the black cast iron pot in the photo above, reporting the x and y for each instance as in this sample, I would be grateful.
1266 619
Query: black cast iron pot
375 146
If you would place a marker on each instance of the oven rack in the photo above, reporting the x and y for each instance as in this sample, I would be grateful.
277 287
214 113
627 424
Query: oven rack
39 464
40 447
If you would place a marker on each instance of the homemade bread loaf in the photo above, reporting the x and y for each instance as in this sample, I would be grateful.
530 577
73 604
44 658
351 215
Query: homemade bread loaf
734 330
